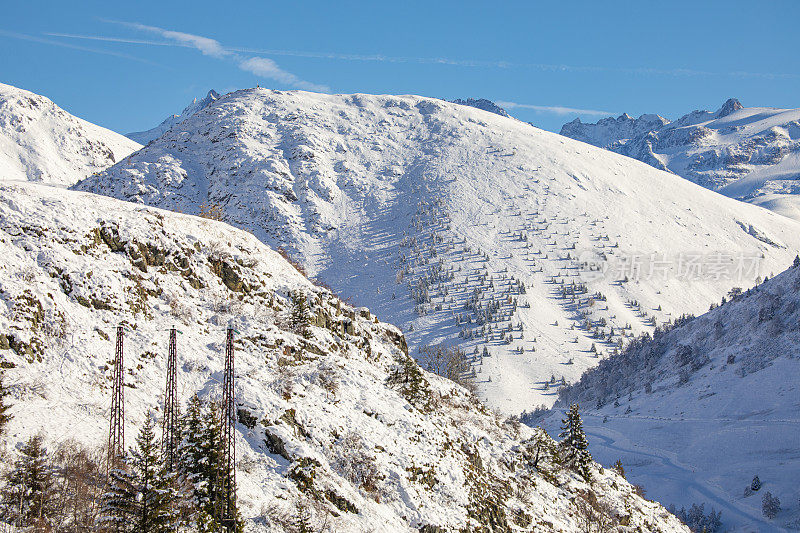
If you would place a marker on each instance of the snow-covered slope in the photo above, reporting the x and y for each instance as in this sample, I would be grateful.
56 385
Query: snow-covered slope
144 137
699 410
41 142
752 154
318 412
462 226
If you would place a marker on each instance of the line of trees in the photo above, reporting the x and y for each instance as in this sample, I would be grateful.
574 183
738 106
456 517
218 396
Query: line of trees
71 489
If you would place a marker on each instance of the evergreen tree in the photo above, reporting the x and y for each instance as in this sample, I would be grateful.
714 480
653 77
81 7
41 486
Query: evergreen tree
408 380
4 405
139 498
118 503
796 262
196 466
770 505
574 447
28 495
755 484
202 466
300 317
154 496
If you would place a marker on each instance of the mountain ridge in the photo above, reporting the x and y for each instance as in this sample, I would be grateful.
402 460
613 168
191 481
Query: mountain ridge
461 226
750 154
41 142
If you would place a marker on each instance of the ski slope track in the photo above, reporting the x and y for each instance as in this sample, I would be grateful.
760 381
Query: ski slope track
748 153
462 226
694 413
41 142
318 413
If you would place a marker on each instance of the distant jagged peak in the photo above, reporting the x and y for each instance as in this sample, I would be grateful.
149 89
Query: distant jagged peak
482 103
730 105
144 137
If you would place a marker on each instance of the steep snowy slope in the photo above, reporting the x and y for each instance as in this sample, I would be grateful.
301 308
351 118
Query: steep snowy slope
462 226
144 137
320 427
41 142
752 154
697 411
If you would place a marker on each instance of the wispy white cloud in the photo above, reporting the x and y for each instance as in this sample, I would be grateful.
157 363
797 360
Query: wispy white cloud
260 66
468 63
60 44
557 109
206 45
267 68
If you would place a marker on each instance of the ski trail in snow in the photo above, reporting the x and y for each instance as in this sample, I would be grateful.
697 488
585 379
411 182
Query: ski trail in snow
690 478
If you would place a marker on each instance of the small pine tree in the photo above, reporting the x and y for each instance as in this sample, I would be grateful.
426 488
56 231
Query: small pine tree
28 496
5 417
153 498
118 503
770 505
300 317
755 485
138 497
796 262
406 377
619 468
202 468
574 446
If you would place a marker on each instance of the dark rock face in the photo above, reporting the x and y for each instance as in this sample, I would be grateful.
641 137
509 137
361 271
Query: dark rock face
482 103
731 105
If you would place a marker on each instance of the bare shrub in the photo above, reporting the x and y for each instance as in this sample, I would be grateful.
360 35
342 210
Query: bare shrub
357 465
212 211
178 309
449 362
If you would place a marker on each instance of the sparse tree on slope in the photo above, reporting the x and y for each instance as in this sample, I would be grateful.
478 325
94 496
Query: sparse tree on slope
300 317
573 447
770 505
4 405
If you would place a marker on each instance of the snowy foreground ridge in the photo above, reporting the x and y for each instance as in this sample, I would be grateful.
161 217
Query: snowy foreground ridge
748 153
316 415
538 254
41 142
698 411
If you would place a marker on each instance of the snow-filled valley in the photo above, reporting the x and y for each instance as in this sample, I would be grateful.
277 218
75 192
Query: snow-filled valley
751 154
322 424
537 254
41 142
696 412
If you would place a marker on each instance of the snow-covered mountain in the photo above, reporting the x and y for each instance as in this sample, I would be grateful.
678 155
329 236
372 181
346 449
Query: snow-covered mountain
700 409
751 154
41 142
322 425
462 226
144 137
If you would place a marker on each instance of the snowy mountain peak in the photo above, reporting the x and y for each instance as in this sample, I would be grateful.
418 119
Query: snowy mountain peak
730 105
751 154
41 142
145 137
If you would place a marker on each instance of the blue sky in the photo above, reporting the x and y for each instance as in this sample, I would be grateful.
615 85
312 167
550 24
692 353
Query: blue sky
127 66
